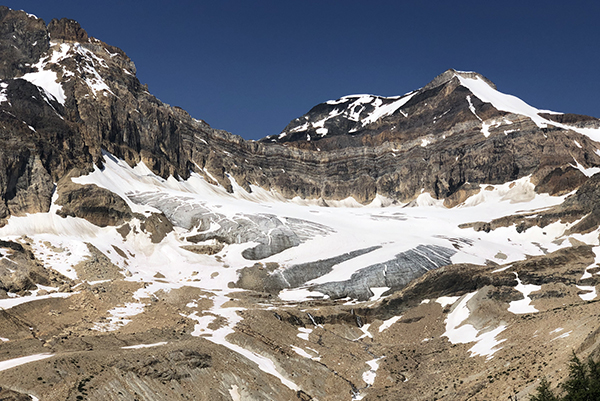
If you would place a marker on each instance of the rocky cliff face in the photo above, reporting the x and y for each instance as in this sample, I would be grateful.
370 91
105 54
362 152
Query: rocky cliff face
68 97
144 254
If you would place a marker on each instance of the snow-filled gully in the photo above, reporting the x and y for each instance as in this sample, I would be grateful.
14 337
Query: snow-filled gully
523 306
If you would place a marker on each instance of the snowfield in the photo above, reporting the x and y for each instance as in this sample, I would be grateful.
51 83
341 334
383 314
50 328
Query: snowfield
339 230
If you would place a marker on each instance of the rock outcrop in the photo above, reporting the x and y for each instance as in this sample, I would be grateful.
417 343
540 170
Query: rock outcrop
581 209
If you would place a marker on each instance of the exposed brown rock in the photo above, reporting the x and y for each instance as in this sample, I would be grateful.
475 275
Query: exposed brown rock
97 205
462 194
568 118
157 225
207 249
18 33
582 205
31 190
11 395
20 272
561 181
67 29
96 267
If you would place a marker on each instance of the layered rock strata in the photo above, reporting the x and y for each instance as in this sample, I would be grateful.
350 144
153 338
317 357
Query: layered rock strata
432 143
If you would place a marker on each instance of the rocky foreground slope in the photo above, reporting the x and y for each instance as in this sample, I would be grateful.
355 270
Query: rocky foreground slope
441 245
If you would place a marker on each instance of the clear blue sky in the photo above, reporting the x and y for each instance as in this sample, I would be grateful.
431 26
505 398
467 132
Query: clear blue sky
251 66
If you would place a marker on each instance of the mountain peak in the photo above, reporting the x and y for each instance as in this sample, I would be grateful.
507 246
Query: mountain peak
451 73
409 117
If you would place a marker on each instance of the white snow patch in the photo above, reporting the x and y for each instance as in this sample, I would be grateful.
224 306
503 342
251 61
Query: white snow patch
3 93
386 110
472 108
590 295
219 336
518 191
426 200
501 101
366 333
564 335
304 354
265 364
486 125
485 129
11 363
119 317
445 301
47 79
63 252
389 322
486 343
92 77
523 305
456 333
377 292
299 128
588 172
586 273
234 393
322 131
356 107
501 269
202 325
513 104
8 303
304 333
300 294
138 346
369 376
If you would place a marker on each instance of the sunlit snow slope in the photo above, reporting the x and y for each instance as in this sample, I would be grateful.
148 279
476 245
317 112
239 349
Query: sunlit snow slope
326 251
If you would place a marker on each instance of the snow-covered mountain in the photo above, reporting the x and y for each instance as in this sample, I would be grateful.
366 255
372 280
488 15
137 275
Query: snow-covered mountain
467 97
437 245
